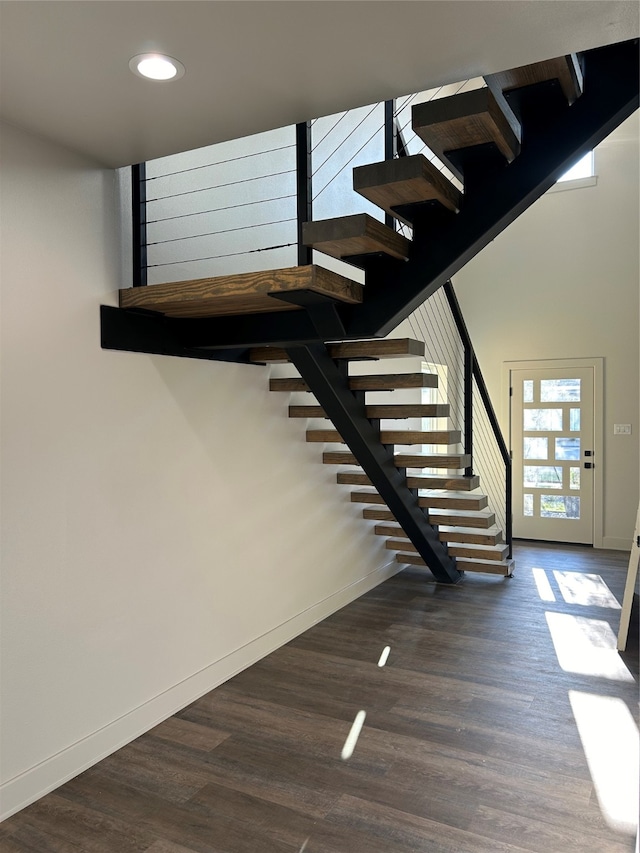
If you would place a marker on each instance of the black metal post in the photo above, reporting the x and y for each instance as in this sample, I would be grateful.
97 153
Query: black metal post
508 509
330 387
139 223
303 187
389 146
468 403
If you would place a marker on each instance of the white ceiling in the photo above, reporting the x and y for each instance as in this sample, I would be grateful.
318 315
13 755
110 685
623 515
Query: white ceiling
252 66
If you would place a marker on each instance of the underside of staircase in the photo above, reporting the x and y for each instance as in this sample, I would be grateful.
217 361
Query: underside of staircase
506 143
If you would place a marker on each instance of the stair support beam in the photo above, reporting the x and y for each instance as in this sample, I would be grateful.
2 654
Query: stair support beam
329 385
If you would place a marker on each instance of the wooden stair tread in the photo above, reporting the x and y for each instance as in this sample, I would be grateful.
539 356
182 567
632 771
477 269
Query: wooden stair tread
387 412
465 120
462 482
476 520
451 462
565 69
352 350
405 180
446 534
441 501
453 500
366 498
469 535
447 437
355 478
505 568
240 294
475 552
377 382
378 514
359 234
461 518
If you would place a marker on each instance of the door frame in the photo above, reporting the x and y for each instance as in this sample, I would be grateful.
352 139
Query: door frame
598 421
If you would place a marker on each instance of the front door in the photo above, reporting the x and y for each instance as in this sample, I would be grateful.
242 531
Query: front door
552 435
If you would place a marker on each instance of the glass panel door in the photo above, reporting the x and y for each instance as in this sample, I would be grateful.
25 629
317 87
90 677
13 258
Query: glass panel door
552 445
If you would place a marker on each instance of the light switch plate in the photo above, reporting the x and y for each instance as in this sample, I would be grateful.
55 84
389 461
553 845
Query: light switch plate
622 429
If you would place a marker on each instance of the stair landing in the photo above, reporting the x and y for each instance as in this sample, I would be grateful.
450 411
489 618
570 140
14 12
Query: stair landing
247 293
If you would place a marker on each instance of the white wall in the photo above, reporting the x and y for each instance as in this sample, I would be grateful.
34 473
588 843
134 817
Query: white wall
562 282
164 524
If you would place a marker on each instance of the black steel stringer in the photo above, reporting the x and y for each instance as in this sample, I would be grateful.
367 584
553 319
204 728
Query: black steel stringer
347 413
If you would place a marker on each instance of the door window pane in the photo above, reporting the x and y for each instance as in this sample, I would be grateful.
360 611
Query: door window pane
542 477
544 419
536 448
567 448
574 420
559 390
527 390
528 504
574 478
559 506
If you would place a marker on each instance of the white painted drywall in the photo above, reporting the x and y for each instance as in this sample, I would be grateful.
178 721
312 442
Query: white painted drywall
562 282
164 524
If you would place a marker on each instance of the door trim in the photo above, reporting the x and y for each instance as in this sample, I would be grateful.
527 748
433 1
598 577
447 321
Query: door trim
598 421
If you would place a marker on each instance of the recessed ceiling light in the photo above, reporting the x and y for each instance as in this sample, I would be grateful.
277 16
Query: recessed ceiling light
156 66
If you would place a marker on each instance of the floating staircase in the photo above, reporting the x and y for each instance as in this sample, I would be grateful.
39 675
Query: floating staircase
439 497
506 144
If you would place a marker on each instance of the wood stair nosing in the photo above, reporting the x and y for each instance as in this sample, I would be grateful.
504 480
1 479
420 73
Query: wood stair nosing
463 483
477 520
243 293
444 501
378 514
471 551
474 552
453 500
447 535
404 181
451 462
565 69
466 120
505 568
349 236
461 518
367 350
378 382
403 437
389 412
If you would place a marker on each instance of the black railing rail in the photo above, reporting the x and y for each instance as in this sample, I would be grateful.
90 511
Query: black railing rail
449 352
473 374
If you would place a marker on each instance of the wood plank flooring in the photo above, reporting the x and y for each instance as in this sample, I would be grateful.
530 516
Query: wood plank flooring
469 744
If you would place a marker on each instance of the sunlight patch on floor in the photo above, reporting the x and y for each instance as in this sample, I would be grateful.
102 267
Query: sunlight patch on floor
586 647
544 587
609 736
589 590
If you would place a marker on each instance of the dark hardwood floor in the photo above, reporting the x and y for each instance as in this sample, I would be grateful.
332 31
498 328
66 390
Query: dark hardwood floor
470 742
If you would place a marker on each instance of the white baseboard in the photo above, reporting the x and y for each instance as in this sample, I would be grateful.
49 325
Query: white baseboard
54 771
615 543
